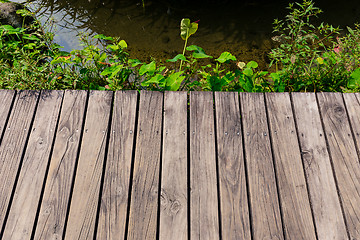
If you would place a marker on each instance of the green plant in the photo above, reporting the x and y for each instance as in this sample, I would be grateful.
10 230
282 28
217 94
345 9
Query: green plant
309 57
94 67
24 57
187 28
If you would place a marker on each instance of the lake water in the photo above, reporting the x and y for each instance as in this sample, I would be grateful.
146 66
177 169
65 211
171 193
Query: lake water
152 30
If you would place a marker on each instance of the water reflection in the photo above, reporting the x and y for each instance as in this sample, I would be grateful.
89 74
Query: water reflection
242 27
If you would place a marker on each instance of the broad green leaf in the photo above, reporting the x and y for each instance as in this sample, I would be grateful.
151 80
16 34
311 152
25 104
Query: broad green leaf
187 28
61 59
134 62
198 52
157 79
200 55
147 68
112 71
195 48
354 80
102 57
112 47
177 57
174 81
108 71
226 56
248 72
6 27
161 69
252 64
103 37
32 38
30 46
123 44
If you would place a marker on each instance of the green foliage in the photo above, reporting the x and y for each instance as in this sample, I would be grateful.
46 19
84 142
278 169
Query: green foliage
24 55
307 58
187 28
310 57
95 67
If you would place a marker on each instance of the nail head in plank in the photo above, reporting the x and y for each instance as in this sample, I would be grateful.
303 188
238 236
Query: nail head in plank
85 198
145 188
51 220
232 179
204 222
28 190
326 207
265 210
114 198
173 198
13 143
295 204
6 98
344 157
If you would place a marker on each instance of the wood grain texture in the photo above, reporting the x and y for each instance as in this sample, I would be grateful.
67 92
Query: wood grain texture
85 198
6 98
145 188
114 199
352 101
232 179
344 157
28 190
265 210
294 198
204 219
326 207
173 198
13 143
51 220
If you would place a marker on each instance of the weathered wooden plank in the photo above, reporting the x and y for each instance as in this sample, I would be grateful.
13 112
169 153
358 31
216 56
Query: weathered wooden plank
54 205
28 190
326 207
173 198
13 144
85 198
295 204
114 200
6 98
204 222
263 194
145 188
344 157
232 179
352 101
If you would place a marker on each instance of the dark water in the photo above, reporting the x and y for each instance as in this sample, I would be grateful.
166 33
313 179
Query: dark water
152 31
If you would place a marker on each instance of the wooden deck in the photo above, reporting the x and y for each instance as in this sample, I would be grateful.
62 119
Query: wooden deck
124 165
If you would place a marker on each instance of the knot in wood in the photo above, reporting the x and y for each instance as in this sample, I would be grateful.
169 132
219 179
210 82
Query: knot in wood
175 207
339 111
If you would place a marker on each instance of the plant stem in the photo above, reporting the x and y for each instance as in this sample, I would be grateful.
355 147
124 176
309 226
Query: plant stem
187 36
